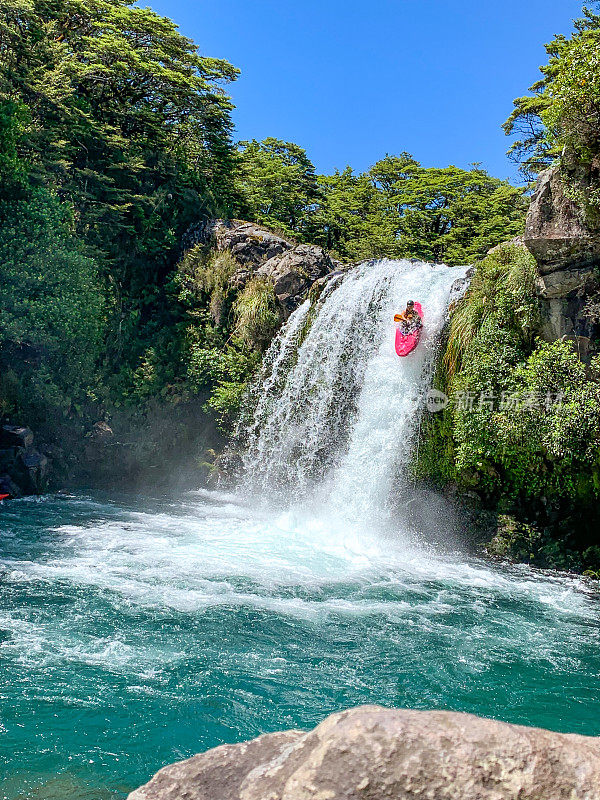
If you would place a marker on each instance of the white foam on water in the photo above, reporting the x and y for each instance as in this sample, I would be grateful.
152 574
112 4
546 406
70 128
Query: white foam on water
196 559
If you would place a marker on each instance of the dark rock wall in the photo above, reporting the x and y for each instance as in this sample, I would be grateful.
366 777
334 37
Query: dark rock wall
23 468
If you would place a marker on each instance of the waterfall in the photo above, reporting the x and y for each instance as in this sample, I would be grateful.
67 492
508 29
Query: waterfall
337 410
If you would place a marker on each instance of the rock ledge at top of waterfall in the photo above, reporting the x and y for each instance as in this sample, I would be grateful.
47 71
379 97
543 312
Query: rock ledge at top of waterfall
292 268
373 753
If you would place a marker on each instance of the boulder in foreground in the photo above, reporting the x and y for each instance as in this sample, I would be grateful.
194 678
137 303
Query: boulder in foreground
373 753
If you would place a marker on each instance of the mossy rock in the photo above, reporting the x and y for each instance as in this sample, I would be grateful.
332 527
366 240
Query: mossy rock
523 542
515 540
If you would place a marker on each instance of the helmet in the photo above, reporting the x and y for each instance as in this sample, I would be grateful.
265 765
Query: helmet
410 303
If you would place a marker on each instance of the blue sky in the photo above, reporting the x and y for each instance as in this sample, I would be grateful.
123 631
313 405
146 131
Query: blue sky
351 81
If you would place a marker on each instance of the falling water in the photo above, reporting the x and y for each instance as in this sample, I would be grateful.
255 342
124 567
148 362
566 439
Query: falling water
337 409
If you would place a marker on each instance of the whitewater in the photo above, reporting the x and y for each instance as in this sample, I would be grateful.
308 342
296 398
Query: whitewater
137 631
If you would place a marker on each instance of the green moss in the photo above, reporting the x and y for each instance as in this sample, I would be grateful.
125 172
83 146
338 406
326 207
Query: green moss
516 540
202 279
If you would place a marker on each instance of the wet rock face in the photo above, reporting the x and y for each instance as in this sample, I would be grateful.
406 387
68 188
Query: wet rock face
555 231
15 436
23 468
373 753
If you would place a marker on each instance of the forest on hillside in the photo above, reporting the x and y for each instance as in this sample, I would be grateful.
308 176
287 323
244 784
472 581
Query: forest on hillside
115 138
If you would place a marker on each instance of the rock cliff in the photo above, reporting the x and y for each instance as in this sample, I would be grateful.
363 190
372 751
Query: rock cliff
292 268
567 251
373 753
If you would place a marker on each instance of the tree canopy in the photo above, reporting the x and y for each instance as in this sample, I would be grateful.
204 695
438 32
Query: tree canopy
398 209
112 116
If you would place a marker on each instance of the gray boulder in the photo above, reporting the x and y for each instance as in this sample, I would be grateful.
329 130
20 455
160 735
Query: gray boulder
567 251
26 468
291 267
8 486
37 468
294 272
373 753
555 231
566 282
250 244
15 436
564 295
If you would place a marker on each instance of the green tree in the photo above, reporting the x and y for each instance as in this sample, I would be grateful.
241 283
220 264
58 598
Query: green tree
277 183
114 132
51 304
400 209
563 110
447 214
345 219
132 127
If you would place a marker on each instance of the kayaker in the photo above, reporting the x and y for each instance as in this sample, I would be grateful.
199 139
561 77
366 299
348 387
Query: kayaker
410 320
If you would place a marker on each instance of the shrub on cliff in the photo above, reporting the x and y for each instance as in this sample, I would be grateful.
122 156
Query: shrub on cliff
502 291
222 373
202 278
524 415
540 435
257 316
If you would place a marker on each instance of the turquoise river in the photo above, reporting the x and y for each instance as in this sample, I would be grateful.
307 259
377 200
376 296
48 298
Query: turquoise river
136 631
133 634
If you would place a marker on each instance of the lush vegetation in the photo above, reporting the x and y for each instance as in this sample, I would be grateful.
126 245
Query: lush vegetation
115 140
522 430
115 136
398 209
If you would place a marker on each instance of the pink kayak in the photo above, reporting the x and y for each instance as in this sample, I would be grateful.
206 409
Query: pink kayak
406 342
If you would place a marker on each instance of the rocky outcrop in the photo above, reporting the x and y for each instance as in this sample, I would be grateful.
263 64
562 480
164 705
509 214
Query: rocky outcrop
567 252
294 272
291 267
373 753
250 244
23 468
555 230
